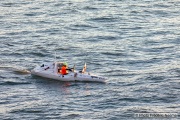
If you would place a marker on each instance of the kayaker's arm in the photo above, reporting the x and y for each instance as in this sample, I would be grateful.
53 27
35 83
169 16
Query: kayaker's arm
70 69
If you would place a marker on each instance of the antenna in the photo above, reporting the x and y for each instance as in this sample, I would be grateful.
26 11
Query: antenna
55 56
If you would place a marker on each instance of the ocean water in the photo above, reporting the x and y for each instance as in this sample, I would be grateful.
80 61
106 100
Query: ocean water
135 44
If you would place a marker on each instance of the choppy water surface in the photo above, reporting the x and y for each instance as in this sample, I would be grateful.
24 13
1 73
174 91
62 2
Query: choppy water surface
135 44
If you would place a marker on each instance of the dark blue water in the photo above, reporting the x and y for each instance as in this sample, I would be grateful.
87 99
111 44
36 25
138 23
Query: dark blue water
135 44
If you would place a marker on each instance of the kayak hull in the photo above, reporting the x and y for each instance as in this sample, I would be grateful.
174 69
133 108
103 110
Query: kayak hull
50 71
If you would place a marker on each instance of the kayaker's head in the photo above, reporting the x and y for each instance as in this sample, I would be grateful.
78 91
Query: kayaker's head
65 64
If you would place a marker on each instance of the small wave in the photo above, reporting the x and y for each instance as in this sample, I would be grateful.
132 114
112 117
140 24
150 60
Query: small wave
100 38
87 26
79 28
168 99
8 4
14 83
90 8
107 37
104 19
8 44
58 4
39 54
2 77
71 116
26 110
113 54
156 78
30 14
129 99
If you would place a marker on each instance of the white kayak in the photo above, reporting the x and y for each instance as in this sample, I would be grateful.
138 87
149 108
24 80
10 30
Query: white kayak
50 70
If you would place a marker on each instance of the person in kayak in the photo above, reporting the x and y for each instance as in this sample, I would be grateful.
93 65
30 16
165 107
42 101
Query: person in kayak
64 69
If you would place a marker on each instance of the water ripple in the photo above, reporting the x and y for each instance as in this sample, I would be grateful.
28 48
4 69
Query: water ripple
135 44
